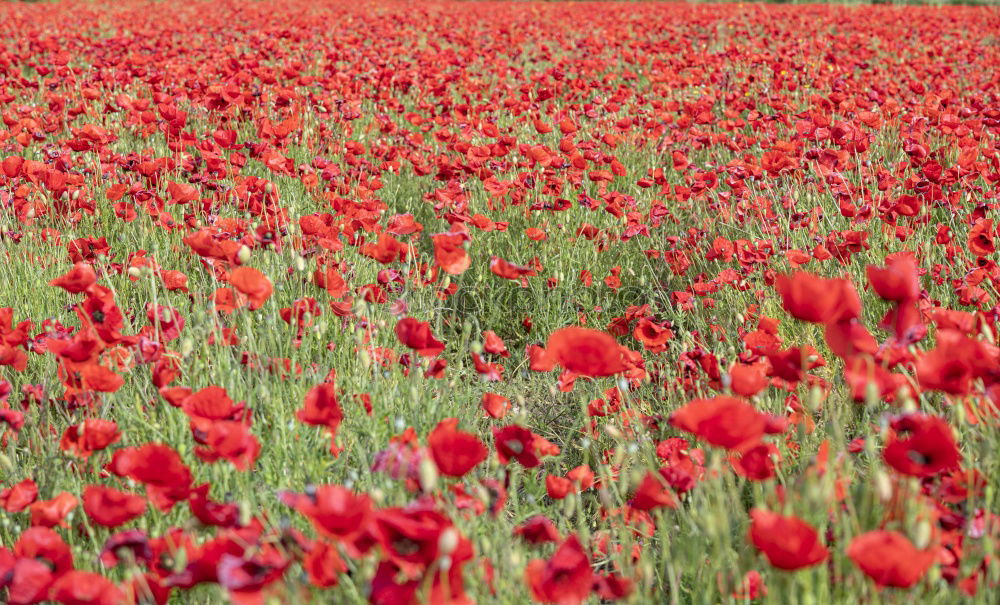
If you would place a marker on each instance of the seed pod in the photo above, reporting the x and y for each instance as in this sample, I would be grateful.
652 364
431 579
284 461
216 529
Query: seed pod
922 534
883 486
448 541
428 475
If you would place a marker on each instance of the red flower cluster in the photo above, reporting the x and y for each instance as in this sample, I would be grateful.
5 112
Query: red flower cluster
451 302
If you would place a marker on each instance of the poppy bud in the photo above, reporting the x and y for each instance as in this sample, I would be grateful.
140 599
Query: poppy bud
871 394
476 347
514 557
448 541
300 264
187 346
134 272
922 535
243 255
428 475
883 486
569 505
815 398
246 513
6 463
605 497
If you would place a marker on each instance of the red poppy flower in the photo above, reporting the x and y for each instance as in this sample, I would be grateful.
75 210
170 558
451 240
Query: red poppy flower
537 530
46 545
557 487
722 421
334 510
28 581
981 238
748 380
897 281
89 436
167 478
517 443
417 336
582 476
321 407
385 250
789 543
653 492
921 446
109 507
494 344
50 513
454 452
78 279
410 537
253 284
496 406
890 559
85 588
956 360
751 588
19 496
228 440
565 578
653 336
450 253
849 338
755 462
862 371
586 352
135 541
212 403
323 564
210 512
612 586
818 300
506 270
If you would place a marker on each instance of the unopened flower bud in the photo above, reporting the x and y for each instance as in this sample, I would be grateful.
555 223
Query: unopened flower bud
448 541
243 255
883 486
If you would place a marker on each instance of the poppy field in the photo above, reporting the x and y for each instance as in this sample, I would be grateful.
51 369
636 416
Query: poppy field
482 302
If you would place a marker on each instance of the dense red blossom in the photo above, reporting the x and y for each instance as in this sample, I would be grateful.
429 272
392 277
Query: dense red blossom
219 223
789 543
